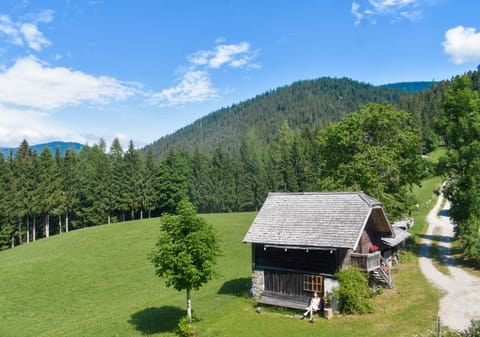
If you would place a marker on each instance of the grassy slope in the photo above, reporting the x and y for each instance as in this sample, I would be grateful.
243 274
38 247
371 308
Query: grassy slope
98 282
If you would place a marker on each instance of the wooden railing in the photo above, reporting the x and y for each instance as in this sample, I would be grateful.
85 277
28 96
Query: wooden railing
366 262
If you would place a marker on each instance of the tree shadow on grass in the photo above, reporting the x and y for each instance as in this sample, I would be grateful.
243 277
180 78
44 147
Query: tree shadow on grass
239 287
154 320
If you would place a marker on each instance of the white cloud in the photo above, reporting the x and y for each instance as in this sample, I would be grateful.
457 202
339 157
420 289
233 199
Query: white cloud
44 16
30 83
10 29
395 10
33 125
356 13
234 55
35 40
195 86
21 33
462 44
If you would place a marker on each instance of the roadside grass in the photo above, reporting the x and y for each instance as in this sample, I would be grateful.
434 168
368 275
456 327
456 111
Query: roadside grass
98 282
470 266
426 196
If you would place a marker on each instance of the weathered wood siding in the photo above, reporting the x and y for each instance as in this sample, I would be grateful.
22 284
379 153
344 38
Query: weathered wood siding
283 282
314 261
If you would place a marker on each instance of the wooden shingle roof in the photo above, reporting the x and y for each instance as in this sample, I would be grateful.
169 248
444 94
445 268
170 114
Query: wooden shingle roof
332 219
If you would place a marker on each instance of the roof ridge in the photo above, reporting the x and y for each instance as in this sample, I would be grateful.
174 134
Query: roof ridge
370 201
314 193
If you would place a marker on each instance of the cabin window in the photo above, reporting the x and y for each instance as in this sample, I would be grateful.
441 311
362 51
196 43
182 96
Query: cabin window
313 283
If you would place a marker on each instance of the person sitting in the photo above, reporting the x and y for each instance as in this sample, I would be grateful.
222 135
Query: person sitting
313 306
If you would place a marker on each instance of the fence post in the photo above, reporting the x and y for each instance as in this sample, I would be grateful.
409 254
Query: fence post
439 326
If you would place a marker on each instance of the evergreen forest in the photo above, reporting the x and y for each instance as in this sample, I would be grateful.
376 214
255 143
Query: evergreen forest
319 135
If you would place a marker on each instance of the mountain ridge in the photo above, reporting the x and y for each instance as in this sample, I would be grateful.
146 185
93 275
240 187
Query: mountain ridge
314 103
63 146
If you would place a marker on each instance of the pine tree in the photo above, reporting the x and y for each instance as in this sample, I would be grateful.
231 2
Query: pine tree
118 184
173 184
201 183
222 181
22 172
133 171
47 186
69 185
251 183
5 226
148 192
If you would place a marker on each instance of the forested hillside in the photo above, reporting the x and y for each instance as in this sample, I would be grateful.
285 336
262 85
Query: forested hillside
314 103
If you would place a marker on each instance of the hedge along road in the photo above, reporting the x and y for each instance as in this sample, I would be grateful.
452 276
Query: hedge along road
461 302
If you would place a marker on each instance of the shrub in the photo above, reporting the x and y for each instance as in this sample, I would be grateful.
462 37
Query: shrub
353 293
185 328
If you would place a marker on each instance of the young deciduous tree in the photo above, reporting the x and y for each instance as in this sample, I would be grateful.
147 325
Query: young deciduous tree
186 252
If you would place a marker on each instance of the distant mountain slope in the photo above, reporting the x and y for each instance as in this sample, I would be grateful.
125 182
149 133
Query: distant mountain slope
63 146
305 103
410 87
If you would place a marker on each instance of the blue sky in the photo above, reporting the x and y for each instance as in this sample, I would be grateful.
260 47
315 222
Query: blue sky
138 70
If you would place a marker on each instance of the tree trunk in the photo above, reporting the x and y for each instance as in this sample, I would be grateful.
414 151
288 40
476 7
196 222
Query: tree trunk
47 226
149 214
28 229
66 221
20 233
13 241
189 306
34 229
123 216
141 214
109 219
60 223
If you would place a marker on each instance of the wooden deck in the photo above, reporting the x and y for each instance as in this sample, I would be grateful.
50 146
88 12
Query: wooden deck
366 262
286 301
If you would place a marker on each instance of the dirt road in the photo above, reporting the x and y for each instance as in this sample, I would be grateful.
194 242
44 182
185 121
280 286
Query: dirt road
461 302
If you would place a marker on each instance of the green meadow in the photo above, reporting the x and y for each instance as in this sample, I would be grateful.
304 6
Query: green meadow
99 282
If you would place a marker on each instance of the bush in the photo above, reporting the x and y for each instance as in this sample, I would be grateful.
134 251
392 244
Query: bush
185 328
353 293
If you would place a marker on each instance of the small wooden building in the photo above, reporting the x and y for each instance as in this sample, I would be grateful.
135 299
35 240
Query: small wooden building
299 241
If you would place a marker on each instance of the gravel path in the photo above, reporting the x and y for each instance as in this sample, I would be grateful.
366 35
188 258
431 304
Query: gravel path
461 302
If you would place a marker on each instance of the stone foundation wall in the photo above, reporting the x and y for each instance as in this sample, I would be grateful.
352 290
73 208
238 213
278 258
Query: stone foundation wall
258 283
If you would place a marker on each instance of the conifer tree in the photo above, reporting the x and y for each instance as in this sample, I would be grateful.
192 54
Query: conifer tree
47 186
118 185
201 184
5 226
148 192
133 171
69 185
173 183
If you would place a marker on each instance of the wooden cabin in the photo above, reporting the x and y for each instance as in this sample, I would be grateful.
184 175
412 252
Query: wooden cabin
299 241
